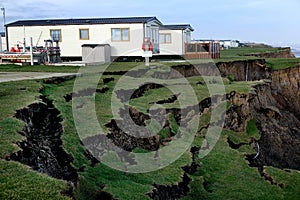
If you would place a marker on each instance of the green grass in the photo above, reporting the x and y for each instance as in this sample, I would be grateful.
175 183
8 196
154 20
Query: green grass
240 54
9 129
243 52
18 181
223 174
70 137
290 180
14 96
38 68
251 129
113 67
121 185
201 91
282 63
226 175
102 174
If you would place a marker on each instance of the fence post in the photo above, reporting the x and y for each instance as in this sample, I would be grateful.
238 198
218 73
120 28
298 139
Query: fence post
31 52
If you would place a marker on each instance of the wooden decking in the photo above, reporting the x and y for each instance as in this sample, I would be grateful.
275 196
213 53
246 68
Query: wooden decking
19 57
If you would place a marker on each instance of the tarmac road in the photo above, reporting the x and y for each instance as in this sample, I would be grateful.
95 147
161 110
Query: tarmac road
18 76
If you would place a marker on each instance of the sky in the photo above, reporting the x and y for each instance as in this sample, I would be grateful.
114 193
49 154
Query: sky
274 22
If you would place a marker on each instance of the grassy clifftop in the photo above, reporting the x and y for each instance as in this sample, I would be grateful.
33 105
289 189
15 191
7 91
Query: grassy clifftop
223 174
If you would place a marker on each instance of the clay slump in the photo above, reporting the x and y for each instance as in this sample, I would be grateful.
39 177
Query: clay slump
278 128
42 147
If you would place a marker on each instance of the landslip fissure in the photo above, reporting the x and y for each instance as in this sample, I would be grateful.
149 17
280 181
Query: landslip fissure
139 138
171 192
42 147
98 144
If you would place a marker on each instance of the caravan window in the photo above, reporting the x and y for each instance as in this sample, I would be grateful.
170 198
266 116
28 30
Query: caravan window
165 38
84 34
125 34
56 35
120 34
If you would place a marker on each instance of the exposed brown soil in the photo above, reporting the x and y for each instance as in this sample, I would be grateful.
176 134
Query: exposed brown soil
279 129
171 192
42 147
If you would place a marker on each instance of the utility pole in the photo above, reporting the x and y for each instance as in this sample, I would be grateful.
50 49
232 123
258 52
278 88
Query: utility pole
4 29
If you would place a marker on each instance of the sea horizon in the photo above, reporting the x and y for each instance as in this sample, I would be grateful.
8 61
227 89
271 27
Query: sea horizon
296 51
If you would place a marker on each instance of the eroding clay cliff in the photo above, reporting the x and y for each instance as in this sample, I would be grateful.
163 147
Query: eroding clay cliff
275 107
248 70
279 131
244 70
281 53
286 89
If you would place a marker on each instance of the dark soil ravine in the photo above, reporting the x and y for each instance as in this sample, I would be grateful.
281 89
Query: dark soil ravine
171 192
42 147
171 99
108 80
126 95
235 146
140 139
59 80
85 92
193 167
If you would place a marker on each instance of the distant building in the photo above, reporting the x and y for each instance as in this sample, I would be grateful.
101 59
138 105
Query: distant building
224 43
229 43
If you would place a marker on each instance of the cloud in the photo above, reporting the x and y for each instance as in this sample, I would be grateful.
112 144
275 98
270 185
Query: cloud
255 19
31 9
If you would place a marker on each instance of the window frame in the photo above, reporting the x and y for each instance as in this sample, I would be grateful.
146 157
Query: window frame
60 34
88 33
165 36
121 35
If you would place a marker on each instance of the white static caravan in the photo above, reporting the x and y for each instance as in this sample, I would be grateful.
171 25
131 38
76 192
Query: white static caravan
124 35
173 38
229 43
